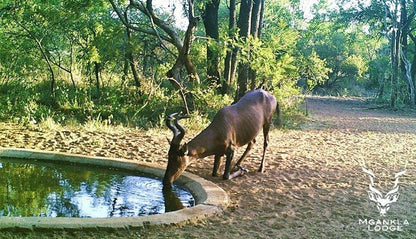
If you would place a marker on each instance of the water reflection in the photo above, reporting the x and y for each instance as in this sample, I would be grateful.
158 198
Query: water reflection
50 190
171 199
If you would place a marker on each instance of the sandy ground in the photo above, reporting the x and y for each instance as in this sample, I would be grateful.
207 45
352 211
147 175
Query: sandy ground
313 186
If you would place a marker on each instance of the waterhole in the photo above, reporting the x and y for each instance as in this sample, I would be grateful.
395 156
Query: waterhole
42 189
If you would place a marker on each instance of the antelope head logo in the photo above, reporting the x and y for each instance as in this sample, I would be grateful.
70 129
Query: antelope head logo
383 202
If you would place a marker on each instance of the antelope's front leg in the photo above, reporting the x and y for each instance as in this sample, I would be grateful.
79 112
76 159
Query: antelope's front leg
217 163
229 157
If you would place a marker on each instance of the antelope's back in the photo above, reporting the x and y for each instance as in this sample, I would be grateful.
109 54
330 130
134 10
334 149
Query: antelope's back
258 101
248 116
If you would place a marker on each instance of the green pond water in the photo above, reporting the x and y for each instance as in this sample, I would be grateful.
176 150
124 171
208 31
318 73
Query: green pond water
42 189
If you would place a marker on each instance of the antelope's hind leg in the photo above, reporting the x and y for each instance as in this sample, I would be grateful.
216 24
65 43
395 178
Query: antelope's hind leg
244 156
266 129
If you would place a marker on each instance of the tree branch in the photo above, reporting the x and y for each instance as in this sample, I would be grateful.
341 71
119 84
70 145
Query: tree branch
148 11
135 28
157 33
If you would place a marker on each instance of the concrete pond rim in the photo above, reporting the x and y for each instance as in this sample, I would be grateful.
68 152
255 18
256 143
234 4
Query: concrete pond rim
210 199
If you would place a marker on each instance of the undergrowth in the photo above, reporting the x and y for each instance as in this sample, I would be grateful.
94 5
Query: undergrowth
113 106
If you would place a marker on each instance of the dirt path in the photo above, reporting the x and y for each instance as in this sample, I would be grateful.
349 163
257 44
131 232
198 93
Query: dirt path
313 187
355 114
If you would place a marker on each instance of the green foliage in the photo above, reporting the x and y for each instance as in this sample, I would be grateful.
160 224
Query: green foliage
24 104
20 103
378 72
313 70
273 57
85 47
335 56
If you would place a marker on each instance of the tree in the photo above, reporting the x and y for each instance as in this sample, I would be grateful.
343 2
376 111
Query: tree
169 34
394 20
107 53
129 53
210 19
250 24
31 22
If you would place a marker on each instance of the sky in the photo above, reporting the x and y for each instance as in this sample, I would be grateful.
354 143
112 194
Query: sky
181 22
306 6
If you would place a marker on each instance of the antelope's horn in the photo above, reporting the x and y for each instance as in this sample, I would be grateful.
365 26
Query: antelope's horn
169 124
177 140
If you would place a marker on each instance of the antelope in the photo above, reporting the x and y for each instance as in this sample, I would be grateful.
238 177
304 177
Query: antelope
233 126
382 202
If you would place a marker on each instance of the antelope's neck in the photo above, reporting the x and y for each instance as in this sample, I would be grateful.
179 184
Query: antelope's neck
202 145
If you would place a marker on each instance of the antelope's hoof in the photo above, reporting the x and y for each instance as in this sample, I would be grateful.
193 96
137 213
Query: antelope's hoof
240 168
244 170
240 172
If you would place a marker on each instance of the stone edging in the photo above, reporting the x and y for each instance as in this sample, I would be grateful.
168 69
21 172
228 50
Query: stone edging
210 199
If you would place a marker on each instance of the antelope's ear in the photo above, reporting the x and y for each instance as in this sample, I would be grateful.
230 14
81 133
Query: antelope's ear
184 150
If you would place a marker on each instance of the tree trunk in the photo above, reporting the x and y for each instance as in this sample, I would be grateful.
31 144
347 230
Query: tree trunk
184 59
413 64
48 63
231 57
256 18
255 31
244 24
125 71
413 67
130 57
394 45
242 80
71 63
45 57
97 78
395 54
250 23
211 30
405 22
408 67
132 62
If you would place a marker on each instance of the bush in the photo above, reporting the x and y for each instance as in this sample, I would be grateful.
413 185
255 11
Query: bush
32 103
114 105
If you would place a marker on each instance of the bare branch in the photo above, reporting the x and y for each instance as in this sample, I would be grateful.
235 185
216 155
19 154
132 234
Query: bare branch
157 33
135 28
148 10
181 89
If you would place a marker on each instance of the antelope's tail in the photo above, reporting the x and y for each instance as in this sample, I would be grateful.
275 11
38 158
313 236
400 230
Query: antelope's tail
279 115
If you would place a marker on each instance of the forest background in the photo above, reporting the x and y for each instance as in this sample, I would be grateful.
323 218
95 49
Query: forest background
131 62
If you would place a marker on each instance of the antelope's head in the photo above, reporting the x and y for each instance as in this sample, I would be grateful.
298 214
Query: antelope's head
382 202
177 160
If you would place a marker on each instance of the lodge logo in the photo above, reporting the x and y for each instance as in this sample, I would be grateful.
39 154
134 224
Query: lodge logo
383 202
384 225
